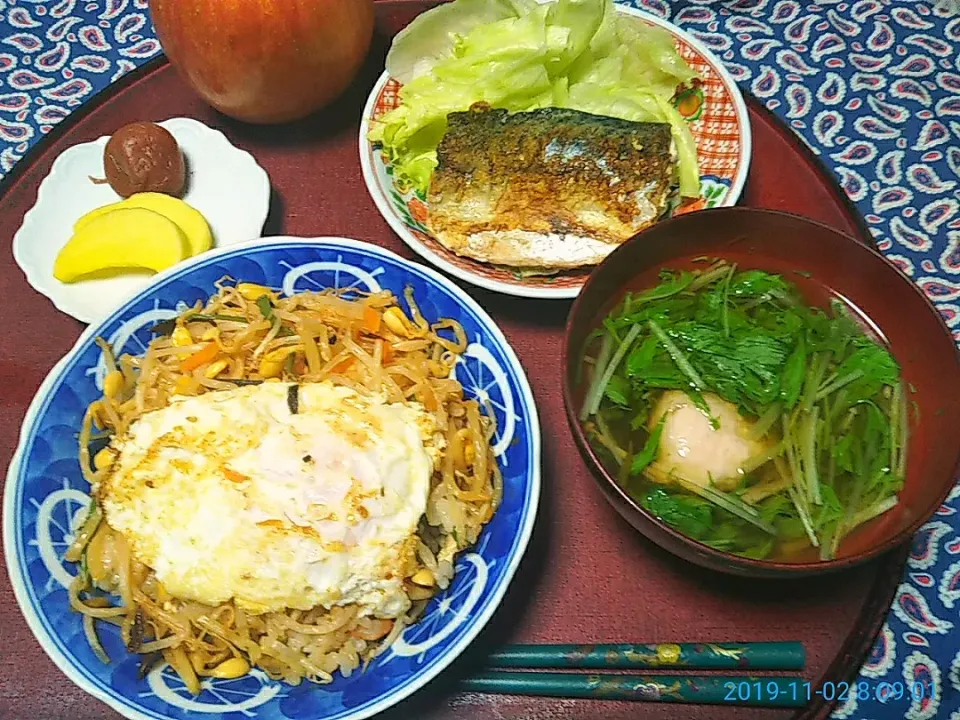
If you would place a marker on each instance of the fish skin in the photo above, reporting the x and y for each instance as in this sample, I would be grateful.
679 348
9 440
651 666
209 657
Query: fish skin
548 189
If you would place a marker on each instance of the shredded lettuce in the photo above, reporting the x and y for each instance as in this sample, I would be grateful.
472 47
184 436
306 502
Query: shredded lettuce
521 55
433 35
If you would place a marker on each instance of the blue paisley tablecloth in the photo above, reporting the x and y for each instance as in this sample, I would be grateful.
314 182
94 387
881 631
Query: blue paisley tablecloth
872 86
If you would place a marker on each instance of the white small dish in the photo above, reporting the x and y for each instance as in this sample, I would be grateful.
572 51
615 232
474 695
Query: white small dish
224 183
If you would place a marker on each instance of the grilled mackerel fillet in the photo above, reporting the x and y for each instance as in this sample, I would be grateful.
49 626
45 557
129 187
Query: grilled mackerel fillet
548 189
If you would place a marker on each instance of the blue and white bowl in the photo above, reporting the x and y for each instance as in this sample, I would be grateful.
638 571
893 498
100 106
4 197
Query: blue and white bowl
46 495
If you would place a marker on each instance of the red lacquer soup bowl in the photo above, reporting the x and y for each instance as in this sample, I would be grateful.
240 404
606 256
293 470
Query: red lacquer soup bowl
823 263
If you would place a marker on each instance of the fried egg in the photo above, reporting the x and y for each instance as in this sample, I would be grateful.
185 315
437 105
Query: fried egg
276 496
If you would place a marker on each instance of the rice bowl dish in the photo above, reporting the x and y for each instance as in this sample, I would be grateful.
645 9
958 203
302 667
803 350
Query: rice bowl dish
47 497
287 482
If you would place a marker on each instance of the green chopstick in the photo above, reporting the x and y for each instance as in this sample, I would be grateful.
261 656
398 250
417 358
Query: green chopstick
688 656
710 690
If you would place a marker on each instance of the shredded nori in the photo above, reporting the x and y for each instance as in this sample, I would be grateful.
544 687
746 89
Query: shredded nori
136 632
166 327
293 398
148 663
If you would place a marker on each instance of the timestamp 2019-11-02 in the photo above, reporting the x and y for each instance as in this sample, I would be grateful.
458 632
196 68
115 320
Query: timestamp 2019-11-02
759 690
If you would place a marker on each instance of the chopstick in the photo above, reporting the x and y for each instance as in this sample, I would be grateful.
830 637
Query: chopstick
738 690
742 690
688 656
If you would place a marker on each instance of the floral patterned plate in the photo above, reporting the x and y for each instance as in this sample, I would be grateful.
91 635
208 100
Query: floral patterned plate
46 496
718 119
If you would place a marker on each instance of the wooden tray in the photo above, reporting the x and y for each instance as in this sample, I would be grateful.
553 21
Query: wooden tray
588 577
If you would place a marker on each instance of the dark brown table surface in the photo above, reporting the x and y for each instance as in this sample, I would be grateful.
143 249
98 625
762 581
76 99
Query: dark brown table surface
588 576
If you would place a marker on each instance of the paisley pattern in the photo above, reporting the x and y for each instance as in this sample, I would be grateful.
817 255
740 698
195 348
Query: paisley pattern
872 86
55 54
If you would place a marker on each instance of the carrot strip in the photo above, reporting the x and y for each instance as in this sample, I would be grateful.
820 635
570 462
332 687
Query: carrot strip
200 357
343 365
234 476
371 320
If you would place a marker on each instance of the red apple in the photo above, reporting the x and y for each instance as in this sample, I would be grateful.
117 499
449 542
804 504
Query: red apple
265 61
